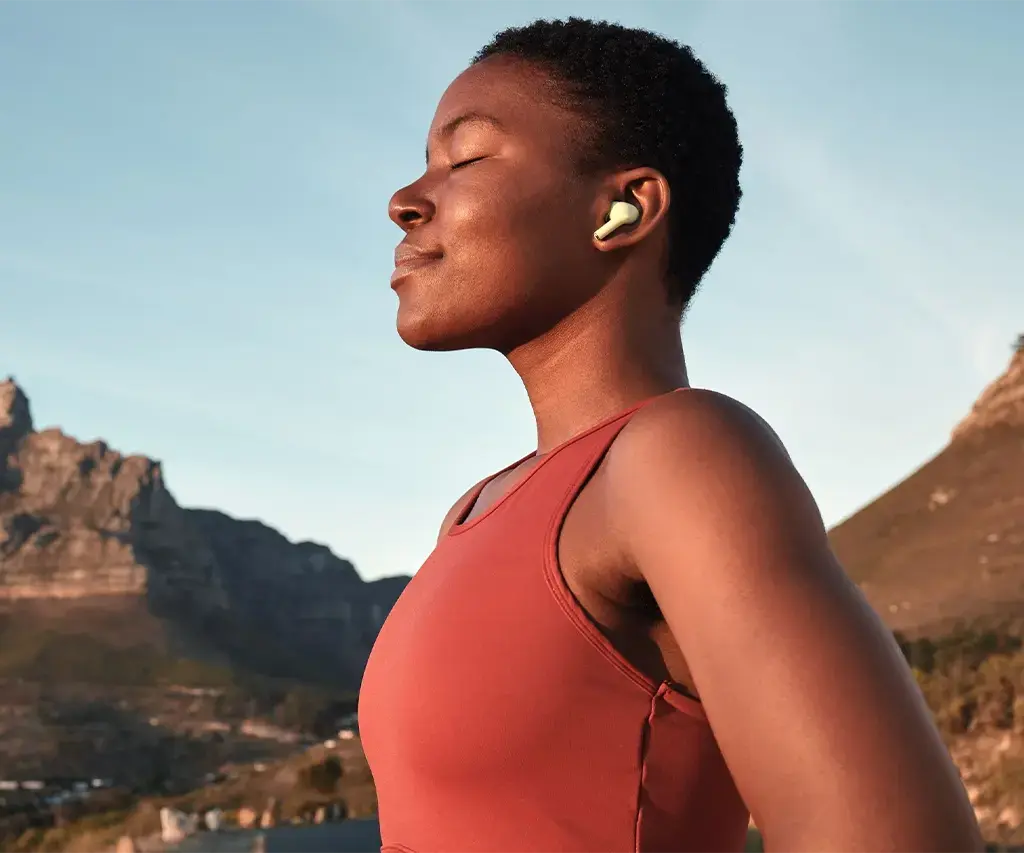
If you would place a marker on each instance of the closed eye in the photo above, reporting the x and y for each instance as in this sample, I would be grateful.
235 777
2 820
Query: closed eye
468 162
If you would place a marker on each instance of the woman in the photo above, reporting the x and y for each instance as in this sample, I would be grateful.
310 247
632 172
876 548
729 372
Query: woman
637 636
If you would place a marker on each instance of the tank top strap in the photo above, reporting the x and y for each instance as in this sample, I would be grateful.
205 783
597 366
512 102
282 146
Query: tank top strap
557 479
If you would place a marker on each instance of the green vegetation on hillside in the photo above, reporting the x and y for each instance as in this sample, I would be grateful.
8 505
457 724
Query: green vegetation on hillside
49 657
968 677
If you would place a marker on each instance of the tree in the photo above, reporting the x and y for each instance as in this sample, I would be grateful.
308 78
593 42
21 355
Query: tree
1019 345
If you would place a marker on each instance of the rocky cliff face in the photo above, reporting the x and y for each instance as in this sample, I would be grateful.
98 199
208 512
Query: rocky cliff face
83 522
1001 404
299 591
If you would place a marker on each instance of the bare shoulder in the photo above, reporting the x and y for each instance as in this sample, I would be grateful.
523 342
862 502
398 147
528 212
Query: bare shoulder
800 679
696 421
707 461
707 503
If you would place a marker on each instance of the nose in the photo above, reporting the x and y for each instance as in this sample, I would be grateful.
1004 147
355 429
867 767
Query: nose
408 208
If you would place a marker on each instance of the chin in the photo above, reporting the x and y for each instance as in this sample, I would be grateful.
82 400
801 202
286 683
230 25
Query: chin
437 333
433 321
427 343
426 336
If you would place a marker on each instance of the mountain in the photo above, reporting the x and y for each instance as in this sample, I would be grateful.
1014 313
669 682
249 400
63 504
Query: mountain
112 596
94 546
946 545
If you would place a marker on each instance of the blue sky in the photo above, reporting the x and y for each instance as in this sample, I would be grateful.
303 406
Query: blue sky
195 250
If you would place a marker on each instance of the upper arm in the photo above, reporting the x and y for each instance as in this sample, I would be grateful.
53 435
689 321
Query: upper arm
815 711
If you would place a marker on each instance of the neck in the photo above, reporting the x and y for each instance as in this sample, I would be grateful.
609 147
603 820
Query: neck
598 361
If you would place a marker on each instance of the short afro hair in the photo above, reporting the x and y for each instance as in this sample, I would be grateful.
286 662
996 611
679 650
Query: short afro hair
650 102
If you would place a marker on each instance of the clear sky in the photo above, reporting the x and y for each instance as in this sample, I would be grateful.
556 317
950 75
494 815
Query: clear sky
195 250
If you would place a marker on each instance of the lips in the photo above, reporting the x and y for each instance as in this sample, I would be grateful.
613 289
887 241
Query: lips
409 258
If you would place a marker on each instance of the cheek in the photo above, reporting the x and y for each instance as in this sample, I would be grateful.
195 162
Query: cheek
509 234
509 259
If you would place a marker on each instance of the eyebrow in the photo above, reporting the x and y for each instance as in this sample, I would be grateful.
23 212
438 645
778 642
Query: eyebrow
473 116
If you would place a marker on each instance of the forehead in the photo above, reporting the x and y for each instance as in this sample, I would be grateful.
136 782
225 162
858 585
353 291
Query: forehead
520 97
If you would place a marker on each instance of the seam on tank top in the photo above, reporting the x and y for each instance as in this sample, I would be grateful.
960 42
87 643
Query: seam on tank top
645 743
560 589
577 613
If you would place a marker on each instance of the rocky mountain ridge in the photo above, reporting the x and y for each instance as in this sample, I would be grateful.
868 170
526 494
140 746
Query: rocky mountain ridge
83 524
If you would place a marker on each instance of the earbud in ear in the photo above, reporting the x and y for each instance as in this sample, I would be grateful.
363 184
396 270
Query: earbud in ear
622 213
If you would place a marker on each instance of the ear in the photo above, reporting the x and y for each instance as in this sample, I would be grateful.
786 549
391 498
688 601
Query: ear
644 187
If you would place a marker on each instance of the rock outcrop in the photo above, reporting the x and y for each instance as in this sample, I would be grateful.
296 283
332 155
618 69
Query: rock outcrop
81 520
1001 404
15 425
84 522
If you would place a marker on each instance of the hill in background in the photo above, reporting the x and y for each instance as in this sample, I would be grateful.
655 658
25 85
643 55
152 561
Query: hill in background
112 597
946 545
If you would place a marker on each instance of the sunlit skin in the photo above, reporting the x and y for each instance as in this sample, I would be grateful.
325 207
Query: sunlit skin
696 546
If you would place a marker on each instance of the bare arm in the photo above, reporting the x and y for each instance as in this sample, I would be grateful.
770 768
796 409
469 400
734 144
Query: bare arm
816 713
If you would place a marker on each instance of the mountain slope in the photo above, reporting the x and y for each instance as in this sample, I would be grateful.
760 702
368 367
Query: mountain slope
947 543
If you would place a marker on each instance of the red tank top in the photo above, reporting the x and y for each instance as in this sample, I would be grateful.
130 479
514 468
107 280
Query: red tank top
497 717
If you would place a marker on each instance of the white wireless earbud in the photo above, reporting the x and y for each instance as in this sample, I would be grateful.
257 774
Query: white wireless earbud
622 213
